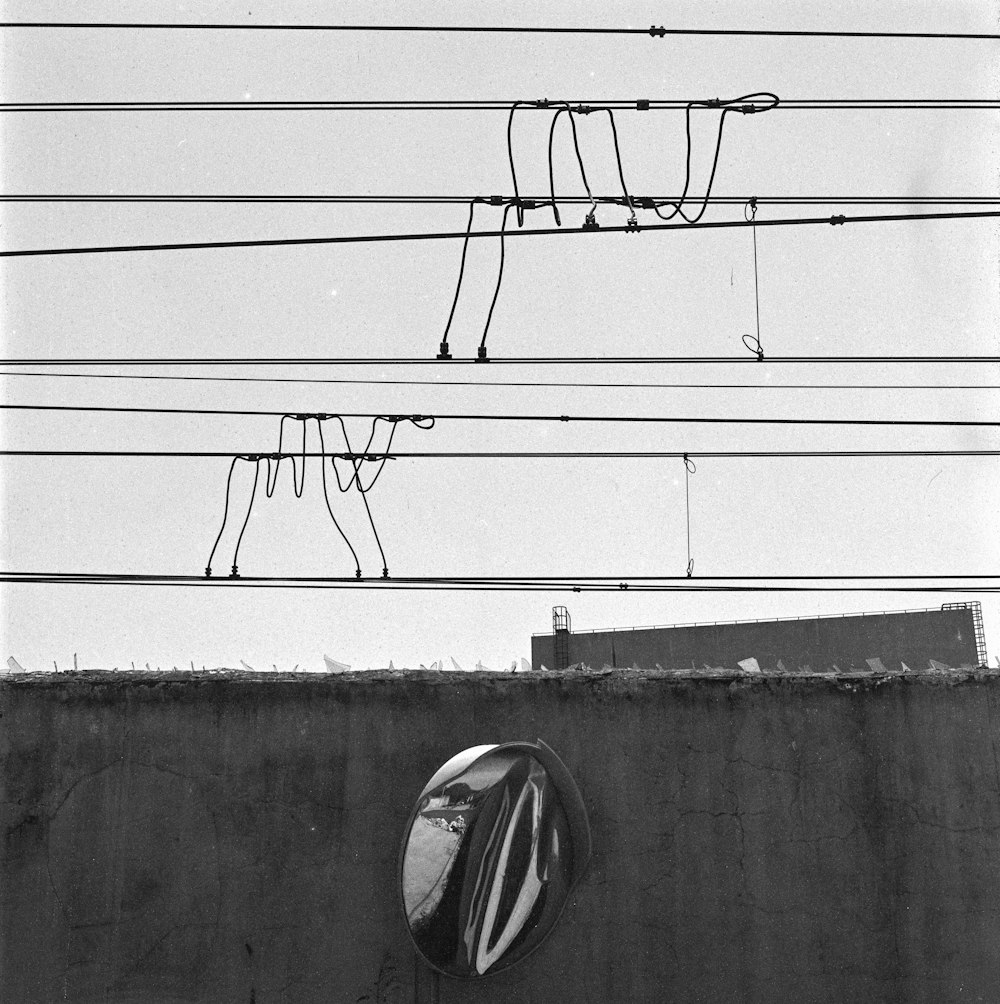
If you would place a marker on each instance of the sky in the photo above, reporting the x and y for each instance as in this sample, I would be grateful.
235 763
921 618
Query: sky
911 288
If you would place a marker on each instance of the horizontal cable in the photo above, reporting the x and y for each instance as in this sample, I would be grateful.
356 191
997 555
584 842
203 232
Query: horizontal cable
507 383
493 360
653 31
643 105
480 417
500 455
967 584
617 200
466 235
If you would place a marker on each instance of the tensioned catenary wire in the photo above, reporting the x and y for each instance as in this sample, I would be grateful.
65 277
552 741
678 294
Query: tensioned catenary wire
691 585
777 200
508 383
506 418
615 580
502 455
517 361
654 104
653 31
836 220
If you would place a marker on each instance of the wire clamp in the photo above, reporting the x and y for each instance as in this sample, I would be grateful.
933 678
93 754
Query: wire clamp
837 221
235 573
385 573
496 200
582 109
564 418
657 32
642 105
590 223
713 103
623 585
444 353
208 571
357 573
632 225
481 356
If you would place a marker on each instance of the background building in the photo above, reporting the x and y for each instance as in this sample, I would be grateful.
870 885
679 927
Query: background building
950 636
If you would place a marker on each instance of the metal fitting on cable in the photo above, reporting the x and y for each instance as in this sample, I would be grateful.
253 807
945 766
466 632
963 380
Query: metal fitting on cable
208 571
590 223
496 200
235 573
444 353
642 105
657 32
357 573
385 573
632 225
837 220
481 357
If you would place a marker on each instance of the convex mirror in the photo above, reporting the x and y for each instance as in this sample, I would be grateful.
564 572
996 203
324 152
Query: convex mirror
494 846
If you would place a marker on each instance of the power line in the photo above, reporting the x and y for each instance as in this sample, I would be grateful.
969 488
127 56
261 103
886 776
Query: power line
653 31
504 383
516 361
836 220
499 455
639 105
734 584
480 417
776 200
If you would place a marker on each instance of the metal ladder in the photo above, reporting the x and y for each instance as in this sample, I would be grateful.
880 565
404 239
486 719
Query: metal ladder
560 637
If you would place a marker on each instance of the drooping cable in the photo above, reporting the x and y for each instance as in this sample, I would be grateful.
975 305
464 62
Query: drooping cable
748 104
689 469
481 355
444 353
591 216
750 341
326 498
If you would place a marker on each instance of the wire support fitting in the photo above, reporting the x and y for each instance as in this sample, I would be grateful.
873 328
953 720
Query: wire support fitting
235 573
444 353
385 573
657 32
481 356
632 225
590 223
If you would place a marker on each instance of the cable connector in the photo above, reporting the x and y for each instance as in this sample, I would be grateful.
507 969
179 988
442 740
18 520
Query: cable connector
748 109
582 109
526 203
590 223
496 200
657 32
713 103
644 202
481 356
837 221
444 353
642 105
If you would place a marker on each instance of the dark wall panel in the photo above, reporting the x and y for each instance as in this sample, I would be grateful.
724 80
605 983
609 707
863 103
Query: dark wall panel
235 839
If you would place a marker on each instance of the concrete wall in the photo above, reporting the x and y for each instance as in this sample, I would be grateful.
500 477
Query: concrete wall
175 839
822 643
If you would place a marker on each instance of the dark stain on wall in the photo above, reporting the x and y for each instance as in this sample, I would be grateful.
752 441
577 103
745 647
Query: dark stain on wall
235 838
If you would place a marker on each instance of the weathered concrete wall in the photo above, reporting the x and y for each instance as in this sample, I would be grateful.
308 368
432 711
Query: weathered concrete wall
796 839
818 644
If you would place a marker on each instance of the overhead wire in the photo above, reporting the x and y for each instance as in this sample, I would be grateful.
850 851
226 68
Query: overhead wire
499 383
511 454
652 31
416 419
512 361
733 585
835 220
639 104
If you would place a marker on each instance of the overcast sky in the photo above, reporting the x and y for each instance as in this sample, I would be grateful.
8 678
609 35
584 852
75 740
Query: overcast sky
909 288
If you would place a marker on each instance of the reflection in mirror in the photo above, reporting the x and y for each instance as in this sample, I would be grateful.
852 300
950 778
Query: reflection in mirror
494 846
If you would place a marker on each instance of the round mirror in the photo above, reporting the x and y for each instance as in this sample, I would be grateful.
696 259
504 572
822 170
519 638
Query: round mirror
494 846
